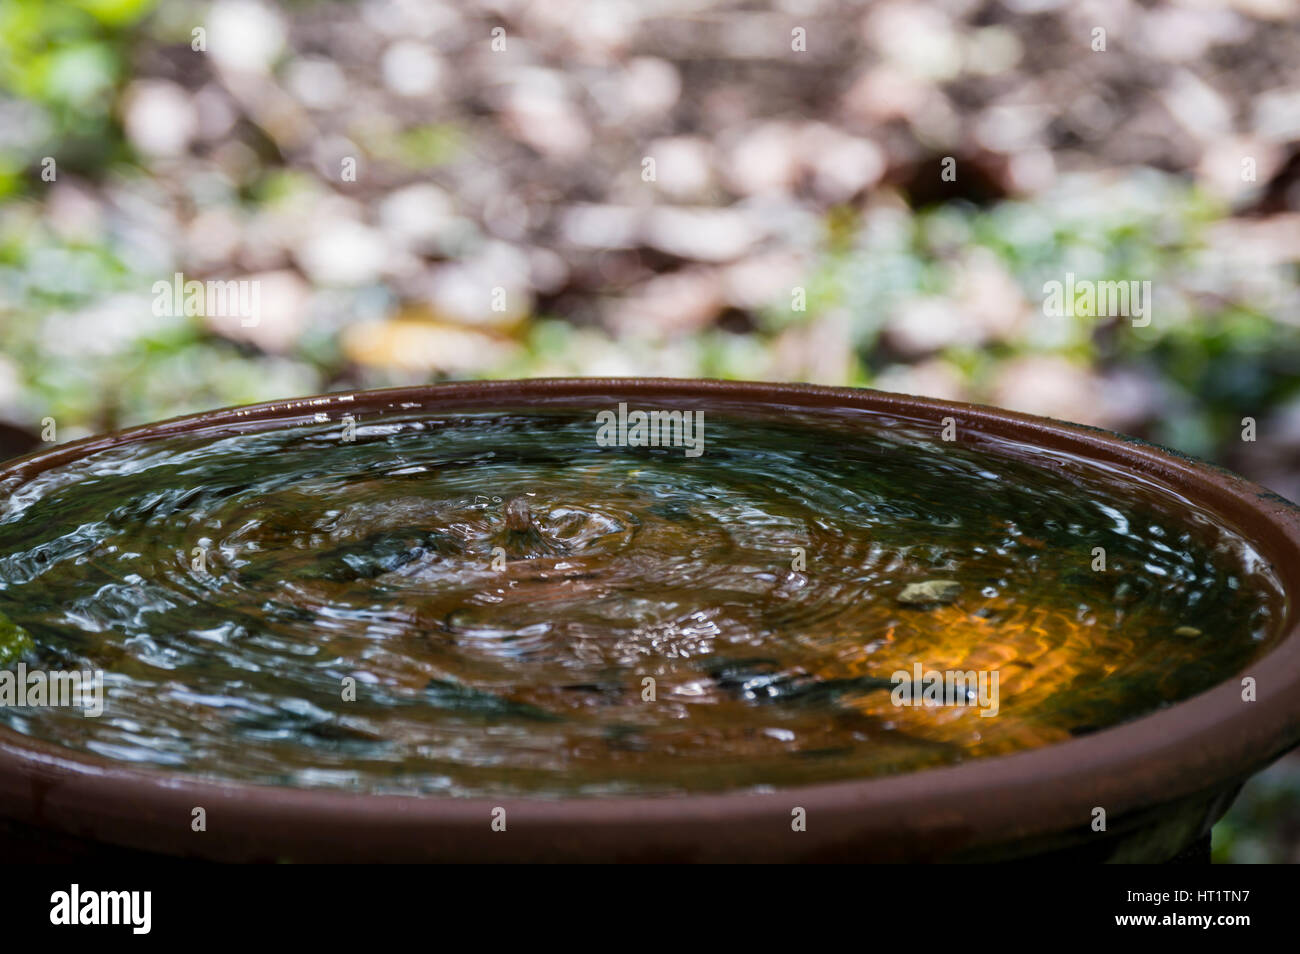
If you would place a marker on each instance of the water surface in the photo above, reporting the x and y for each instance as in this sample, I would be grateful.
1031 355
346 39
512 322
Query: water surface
494 603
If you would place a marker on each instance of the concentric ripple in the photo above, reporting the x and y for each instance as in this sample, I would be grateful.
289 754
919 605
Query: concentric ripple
488 603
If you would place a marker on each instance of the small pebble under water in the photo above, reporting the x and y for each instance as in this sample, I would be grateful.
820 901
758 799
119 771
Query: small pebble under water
499 589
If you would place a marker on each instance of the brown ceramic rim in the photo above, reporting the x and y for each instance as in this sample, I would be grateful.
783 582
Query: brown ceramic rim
1187 751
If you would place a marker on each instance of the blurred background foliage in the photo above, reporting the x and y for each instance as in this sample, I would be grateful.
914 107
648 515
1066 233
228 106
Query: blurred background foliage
141 139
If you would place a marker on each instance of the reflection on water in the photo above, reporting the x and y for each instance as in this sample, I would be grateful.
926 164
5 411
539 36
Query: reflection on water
496 603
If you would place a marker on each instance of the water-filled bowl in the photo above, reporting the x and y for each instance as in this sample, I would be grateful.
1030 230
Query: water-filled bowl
496 621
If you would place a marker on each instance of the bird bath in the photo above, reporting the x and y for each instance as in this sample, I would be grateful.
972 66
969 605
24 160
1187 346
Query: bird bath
637 619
